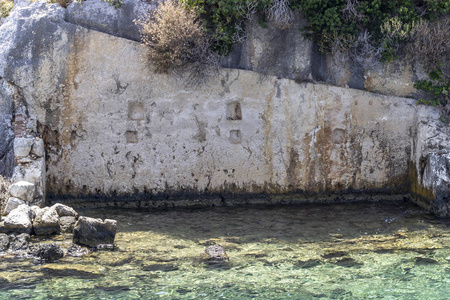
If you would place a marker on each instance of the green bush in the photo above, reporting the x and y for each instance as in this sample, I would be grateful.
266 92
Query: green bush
438 86
5 7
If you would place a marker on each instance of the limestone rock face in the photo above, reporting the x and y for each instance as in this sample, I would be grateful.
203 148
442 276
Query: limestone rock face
67 223
19 219
46 221
11 204
94 232
101 16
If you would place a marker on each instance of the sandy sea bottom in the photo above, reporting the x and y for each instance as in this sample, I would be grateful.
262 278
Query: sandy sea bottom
384 250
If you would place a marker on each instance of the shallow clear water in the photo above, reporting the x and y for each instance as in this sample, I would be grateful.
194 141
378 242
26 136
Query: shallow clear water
385 250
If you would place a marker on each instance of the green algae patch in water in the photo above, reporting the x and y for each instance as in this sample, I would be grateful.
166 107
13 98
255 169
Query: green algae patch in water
386 250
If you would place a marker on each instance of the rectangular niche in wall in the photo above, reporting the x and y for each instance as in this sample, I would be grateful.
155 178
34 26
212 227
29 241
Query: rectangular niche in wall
132 137
234 111
136 111
235 136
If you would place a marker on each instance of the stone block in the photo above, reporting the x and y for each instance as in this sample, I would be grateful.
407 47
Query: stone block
19 219
46 221
23 190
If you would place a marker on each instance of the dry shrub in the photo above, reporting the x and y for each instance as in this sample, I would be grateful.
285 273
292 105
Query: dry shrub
280 14
177 41
4 192
431 42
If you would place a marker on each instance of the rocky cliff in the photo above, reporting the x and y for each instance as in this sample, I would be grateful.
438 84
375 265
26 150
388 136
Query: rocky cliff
77 79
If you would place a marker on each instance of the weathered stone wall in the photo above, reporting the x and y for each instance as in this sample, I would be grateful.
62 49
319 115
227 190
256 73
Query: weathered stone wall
112 126
6 130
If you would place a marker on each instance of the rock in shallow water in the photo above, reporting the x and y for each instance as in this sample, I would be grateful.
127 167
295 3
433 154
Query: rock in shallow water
93 232
49 252
215 254
19 242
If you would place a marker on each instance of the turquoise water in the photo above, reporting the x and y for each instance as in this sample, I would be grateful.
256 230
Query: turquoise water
385 250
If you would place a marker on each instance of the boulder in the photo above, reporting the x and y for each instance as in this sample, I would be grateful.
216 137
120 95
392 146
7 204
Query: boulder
215 254
93 232
46 221
23 190
19 242
19 219
66 224
64 210
11 204
49 252
4 242
77 250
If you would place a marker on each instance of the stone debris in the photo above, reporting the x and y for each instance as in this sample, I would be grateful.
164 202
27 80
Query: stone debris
19 242
93 232
64 210
215 254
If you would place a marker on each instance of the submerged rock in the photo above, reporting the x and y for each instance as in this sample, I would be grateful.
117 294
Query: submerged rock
4 242
49 252
77 250
93 232
19 242
215 254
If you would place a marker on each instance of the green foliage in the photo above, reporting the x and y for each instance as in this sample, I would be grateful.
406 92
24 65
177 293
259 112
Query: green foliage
5 7
224 18
438 86
115 3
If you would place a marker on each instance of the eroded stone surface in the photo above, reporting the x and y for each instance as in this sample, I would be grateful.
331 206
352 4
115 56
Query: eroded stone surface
11 204
19 219
23 190
46 221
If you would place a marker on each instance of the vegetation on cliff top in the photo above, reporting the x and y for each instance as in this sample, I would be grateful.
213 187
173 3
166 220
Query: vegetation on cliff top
5 7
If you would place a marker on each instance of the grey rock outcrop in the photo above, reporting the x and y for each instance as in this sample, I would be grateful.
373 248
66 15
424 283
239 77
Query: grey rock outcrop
215 254
46 222
430 167
19 219
94 232
101 16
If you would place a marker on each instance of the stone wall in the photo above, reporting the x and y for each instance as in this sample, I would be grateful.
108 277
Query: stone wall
113 127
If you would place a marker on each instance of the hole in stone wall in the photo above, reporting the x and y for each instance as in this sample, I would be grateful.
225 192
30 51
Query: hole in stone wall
234 111
235 136
136 111
338 136
132 137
